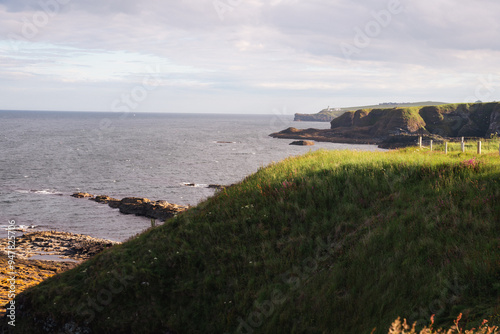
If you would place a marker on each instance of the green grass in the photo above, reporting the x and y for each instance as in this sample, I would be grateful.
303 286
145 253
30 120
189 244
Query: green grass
336 113
399 105
488 146
412 115
328 242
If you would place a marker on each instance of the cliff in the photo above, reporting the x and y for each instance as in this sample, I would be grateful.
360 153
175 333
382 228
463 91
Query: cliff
399 126
327 115
324 115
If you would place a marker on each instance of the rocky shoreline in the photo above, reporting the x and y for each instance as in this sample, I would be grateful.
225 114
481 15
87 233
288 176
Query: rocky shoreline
399 127
40 255
138 206
64 245
389 142
322 135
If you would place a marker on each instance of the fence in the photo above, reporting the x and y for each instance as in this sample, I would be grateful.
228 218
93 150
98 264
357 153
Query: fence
463 145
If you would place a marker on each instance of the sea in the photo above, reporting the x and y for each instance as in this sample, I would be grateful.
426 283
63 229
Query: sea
47 156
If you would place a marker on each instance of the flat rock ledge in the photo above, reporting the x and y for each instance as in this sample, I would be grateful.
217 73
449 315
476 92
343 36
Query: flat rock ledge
138 206
64 245
34 253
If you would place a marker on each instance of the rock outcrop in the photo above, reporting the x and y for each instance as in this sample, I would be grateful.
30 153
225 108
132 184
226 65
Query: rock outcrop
153 209
138 206
82 195
397 125
302 143
106 200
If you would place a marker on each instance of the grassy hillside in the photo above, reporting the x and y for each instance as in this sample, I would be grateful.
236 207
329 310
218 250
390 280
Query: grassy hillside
328 242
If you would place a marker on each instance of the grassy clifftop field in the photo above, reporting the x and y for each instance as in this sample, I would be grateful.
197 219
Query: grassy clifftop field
328 242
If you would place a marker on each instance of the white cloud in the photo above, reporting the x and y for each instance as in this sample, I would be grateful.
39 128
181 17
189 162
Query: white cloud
269 50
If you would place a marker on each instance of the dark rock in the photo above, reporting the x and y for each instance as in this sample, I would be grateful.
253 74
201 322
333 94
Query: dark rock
216 186
162 210
405 140
494 128
133 205
82 195
302 143
114 203
343 121
104 199
142 206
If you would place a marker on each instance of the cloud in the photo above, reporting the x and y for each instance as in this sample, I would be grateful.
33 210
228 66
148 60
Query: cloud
318 50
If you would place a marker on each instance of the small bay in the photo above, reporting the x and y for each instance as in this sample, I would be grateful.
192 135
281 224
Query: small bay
47 156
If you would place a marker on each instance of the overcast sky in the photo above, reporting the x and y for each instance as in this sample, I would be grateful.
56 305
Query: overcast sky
245 56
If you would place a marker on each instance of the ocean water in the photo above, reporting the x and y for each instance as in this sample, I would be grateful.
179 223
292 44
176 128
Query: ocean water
47 156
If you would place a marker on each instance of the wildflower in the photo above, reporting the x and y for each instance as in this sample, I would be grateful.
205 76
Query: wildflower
472 163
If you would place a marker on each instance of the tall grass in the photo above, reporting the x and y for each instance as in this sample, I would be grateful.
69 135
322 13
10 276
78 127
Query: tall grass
328 242
487 146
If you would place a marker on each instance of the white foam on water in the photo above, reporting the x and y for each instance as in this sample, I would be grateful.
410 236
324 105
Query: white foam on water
39 192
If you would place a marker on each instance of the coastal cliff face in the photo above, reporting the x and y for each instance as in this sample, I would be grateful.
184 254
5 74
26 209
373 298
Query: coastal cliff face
378 123
390 125
463 120
328 114
451 120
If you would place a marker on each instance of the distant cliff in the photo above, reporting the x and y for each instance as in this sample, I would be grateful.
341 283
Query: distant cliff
324 115
328 114
397 126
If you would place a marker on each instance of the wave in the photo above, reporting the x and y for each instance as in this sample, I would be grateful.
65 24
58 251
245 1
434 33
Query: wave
195 185
40 192
22 228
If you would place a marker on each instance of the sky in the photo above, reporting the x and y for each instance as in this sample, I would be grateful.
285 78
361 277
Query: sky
245 56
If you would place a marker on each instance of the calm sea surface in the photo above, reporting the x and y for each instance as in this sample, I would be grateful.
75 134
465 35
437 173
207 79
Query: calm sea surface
47 156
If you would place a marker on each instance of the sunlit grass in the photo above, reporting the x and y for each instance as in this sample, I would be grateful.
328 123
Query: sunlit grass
470 146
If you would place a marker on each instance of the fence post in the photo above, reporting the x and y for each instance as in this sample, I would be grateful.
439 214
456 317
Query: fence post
420 141
479 147
431 145
446 148
463 146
